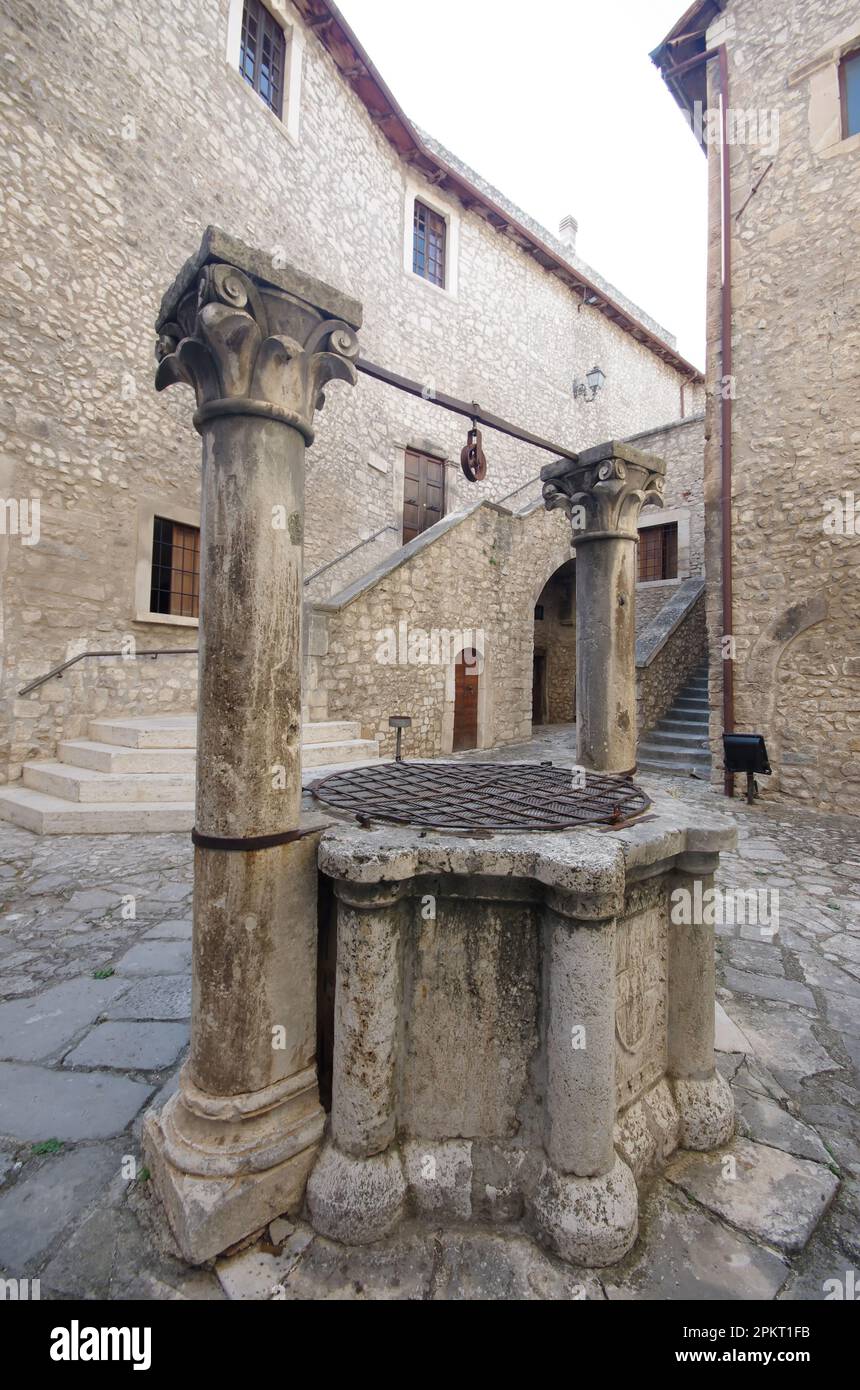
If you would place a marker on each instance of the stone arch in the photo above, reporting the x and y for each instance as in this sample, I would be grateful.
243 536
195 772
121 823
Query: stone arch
763 665
553 625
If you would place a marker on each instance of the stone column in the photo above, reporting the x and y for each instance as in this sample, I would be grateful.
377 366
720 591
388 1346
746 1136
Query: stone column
586 1204
603 494
702 1095
357 1190
233 1148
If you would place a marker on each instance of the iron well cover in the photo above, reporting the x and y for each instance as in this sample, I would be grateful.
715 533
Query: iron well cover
480 796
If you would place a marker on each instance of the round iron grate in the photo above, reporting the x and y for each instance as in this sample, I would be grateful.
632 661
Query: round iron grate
481 796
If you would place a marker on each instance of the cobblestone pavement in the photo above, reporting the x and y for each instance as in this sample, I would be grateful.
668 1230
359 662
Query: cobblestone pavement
94 979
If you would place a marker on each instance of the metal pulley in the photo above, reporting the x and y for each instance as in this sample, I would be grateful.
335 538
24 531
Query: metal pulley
473 460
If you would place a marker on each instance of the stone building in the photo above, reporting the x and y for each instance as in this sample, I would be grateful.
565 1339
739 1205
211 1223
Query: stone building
273 123
783 377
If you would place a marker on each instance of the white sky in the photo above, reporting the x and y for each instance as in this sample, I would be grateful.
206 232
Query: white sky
558 104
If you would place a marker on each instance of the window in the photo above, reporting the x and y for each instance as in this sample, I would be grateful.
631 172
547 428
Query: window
658 552
175 569
428 244
262 54
849 88
423 493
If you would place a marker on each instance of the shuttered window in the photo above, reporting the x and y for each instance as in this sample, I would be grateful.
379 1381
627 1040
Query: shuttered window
428 244
262 54
658 552
175 569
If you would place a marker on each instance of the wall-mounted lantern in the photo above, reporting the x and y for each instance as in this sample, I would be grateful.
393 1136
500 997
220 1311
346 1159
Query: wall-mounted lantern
589 388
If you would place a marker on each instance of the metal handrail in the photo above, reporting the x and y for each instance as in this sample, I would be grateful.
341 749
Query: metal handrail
346 554
82 656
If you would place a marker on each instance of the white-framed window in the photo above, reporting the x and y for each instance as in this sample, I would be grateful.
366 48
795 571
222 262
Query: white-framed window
833 78
167 565
664 545
265 49
431 238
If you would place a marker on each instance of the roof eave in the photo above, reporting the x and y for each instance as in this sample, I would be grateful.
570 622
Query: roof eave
324 18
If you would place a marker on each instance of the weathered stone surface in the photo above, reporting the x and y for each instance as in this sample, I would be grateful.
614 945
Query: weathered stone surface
43 1202
356 1200
38 1104
166 957
782 1038
173 930
440 1177
130 1046
774 1196
767 1123
163 997
34 1029
769 987
588 1221
685 1253
728 1037
257 1274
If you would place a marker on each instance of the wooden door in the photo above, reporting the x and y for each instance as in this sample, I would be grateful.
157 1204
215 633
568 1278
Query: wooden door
423 493
466 701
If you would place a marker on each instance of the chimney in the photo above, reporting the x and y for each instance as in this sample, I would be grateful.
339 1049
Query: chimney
568 228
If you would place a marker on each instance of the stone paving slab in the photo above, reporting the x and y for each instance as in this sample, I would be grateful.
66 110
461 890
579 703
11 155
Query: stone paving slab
179 930
686 1253
773 1195
38 1104
768 987
165 997
766 1122
156 958
130 1046
43 1202
123 1250
416 1264
33 1029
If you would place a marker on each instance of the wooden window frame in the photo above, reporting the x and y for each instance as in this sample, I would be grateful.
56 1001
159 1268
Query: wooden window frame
143 574
853 55
433 221
668 541
269 28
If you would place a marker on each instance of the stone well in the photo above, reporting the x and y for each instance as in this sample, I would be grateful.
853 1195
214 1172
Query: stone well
520 1033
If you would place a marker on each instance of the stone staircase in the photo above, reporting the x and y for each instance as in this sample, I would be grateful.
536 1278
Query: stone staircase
678 743
137 775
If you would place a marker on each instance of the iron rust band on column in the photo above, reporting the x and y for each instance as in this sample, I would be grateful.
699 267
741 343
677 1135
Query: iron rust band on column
251 843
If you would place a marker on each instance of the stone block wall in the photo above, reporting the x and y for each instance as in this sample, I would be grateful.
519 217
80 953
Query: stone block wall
352 675
796 427
668 650
112 170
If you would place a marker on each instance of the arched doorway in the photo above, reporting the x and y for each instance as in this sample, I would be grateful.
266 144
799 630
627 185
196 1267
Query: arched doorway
554 669
466 687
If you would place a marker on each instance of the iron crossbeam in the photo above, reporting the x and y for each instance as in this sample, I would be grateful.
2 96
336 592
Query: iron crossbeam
471 410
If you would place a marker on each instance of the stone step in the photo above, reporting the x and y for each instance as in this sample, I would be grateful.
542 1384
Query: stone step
51 815
83 784
681 738
113 757
333 731
156 731
688 757
689 702
650 764
688 722
354 750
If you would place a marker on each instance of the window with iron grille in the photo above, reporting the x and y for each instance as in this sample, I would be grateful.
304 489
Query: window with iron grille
175 569
849 88
428 244
262 54
658 552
